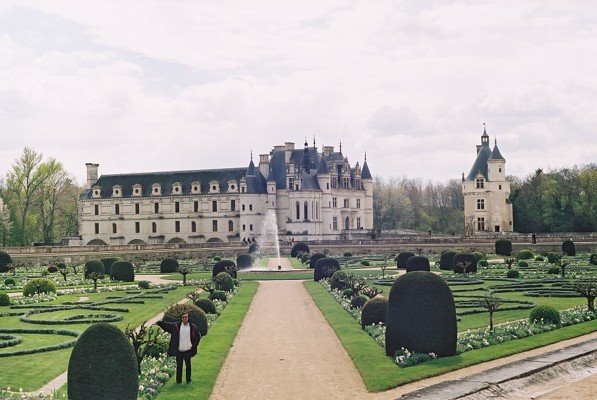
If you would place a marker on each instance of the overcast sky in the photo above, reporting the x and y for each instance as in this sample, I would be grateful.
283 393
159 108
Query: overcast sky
154 86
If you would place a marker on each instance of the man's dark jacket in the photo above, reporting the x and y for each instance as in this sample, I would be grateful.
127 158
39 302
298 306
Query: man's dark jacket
174 330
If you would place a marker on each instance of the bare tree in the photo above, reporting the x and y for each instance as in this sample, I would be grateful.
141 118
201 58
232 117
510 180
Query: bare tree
184 271
509 261
95 276
563 263
588 289
63 270
491 304
371 291
142 339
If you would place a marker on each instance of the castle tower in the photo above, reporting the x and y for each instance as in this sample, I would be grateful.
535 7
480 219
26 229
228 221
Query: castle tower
487 207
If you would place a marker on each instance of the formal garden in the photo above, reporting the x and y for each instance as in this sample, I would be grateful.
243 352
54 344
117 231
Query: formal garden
401 316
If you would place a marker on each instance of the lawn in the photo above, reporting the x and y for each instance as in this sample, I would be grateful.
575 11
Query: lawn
31 372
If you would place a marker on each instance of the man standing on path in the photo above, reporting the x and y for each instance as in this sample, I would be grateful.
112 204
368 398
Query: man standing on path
184 339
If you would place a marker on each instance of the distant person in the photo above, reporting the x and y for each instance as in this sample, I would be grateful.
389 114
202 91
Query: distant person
184 340
534 238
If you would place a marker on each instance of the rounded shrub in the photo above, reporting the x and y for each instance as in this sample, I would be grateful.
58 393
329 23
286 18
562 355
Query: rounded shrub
374 311
554 270
347 254
224 266
122 271
224 282
10 282
365 263
52 269
503 247
253 248
446 260
5 260
196 315
144 284
523 264
417 263
206 305
402 258
102 365
539 258
4 299
325 268
421 315
244 261
218 295
217 258
593 259
338 280
553 257
108 261
546 313
41 285
169 265
299 247
358 301
461 260
314 258
512 273
348 293
480 256
525 254
305 258
482 263
568 248
93 266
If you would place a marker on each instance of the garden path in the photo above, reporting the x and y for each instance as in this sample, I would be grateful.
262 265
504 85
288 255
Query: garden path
285 349
156 279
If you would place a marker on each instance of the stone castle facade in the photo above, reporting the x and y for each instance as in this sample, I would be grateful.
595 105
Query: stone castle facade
487 206
313 195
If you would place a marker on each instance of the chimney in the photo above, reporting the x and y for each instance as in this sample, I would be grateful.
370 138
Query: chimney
478 148
264 165
91 174
327 150
288 148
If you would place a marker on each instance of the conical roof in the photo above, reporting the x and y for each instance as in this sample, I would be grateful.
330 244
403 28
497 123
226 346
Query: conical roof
495 154
322 168
480 165
365 173
251 169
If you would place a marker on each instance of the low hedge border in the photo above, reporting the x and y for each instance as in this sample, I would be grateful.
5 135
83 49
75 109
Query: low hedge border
73 319
59 346
7 340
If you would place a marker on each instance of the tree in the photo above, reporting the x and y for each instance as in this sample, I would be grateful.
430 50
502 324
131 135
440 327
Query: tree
588 289
142 339
23 183
509 261
388 256
563 264
5 223
371 292
63 270
183 271
491 304
94 276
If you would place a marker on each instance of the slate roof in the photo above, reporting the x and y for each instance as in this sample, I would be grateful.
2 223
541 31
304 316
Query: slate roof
495 154
365 173
166 180
480 164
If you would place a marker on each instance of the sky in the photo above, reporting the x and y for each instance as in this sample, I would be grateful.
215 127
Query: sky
141 86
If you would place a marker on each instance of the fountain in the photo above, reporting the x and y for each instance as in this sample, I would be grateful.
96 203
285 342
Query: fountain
268 239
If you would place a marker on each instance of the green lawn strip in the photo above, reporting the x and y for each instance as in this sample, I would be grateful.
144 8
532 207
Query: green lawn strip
213 349
380 373
296 263
31 372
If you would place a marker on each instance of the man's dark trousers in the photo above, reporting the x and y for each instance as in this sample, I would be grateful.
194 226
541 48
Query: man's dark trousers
180 357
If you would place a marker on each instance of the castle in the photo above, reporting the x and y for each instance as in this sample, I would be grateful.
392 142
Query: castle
314 196
487 207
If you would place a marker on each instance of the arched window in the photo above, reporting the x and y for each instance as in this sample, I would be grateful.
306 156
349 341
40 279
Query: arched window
230 226
306 208
154 227
114 228
298 210
346 223
193 226
317 210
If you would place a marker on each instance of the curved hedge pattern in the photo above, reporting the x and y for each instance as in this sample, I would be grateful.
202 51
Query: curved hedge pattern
58 346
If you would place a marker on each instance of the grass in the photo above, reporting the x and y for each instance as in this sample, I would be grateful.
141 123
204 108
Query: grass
379 371
31 372
213 349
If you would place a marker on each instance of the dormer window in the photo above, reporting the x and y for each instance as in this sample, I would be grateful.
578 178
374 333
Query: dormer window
176 188
480 183
156 189
96 191
195 187
137 190
116 191
232 186
214 187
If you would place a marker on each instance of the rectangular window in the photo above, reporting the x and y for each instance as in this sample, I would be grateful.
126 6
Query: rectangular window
346 203
480 204
154 227
359 223
214 225
243 207
156 207
480 183
480 224
177 206
327 185
244 227
334 202
358 203
96 228
96 209
250 207
500 187
335 223
500 169
193 226
137 227
290 183
176 226
116 209
114 230
251 227
214 206
136 208
232 205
